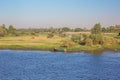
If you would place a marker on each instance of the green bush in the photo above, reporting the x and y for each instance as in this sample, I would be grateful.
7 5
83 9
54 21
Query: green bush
62 35
76 38
88 42
97 39
68 43
96 29
109 40
117 37
3 31
50 35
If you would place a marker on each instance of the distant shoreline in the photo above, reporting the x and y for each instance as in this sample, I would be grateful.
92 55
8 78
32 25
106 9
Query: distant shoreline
68 51
61 44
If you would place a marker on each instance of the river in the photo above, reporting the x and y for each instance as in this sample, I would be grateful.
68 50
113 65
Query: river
45 65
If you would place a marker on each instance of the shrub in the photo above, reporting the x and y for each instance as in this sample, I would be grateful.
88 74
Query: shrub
65 29
78 29
62 35
88 42
68 43
118 36
76 38
50 35
97 38
110 40
96 29
3 31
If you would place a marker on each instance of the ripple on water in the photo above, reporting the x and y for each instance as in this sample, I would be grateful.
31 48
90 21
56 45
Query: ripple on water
45 65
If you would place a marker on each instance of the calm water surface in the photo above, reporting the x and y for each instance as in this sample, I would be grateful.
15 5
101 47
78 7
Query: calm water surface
45 65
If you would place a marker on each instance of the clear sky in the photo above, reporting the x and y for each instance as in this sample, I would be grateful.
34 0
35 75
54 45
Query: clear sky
59 13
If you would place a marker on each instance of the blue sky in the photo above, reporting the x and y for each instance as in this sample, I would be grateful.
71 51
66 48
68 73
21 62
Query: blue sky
59 13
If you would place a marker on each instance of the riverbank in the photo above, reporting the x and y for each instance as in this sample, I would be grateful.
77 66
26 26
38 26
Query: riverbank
87 49
43 43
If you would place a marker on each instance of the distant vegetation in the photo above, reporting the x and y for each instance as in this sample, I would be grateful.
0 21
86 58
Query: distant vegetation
11 30
97 37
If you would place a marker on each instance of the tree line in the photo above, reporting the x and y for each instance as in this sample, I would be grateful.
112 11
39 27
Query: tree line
95 38
11 30
7 31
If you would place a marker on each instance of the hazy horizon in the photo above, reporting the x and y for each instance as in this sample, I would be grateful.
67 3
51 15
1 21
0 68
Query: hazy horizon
59 13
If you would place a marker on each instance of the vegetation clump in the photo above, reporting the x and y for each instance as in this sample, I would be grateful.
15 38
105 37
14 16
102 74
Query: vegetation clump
50 35
77 38
68 43
88 42
109 41
72 39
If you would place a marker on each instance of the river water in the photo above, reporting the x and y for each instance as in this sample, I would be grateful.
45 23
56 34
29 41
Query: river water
45 65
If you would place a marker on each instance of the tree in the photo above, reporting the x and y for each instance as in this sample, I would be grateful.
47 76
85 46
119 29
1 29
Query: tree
11 29
97 38
111 29
76 38
3 31
50 35
3 25
34 34
65 29
96 29
78 29
104 29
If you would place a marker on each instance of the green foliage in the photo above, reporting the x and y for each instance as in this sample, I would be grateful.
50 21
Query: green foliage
115 28
117 36
97 39
109 40
96 34
96 29
77 38
68 43
84 36
12 30
65 29
103 29
3 30
62 35
88 42
34 34
78 29
50 35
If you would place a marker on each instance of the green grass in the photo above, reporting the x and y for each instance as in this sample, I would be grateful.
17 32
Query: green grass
112 47
41 42
30 42
86 48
